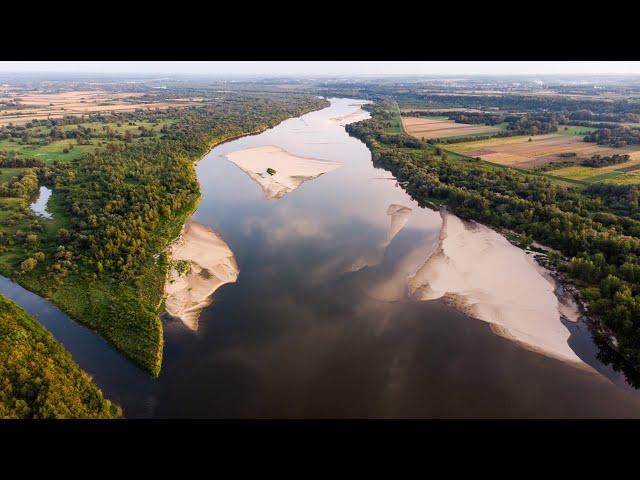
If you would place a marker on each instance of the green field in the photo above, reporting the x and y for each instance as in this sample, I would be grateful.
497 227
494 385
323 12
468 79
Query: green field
624 173
574 130
396 124
102 133
7 174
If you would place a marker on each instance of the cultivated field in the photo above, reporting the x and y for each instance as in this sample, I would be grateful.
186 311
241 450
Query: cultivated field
624 173
440 127
542 149
20 107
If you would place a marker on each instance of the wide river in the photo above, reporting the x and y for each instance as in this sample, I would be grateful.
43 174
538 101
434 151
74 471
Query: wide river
319 323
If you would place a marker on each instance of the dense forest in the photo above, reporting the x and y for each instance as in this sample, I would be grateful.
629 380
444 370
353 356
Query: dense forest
38 377
596 231
118 207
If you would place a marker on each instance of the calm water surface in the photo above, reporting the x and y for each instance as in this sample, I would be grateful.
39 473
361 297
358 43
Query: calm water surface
39 205
313 326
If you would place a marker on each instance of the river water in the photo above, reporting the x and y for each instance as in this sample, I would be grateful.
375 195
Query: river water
39 205
318 323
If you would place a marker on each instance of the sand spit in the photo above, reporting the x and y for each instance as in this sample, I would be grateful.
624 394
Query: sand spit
202 262
399 217
480 272
350 117
291 171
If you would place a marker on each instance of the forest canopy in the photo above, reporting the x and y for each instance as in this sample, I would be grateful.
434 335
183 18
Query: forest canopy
38 377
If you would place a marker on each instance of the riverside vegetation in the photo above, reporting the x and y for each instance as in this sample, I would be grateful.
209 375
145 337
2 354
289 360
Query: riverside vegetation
38 377
594 231
118 200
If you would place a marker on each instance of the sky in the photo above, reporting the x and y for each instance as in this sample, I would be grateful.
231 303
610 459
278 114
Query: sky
331 68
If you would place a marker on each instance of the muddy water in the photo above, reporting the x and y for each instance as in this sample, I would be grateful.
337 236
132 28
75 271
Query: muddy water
320 323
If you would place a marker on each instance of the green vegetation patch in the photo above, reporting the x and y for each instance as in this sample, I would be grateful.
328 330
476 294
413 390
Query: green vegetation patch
38 377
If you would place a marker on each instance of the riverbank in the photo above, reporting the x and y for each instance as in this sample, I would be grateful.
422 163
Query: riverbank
38 378
201 263
479 272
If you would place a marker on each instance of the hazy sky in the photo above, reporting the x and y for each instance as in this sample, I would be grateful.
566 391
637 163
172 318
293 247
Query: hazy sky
327 68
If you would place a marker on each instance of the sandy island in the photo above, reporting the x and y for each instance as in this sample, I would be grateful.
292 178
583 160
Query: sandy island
482 273
291 171
202 262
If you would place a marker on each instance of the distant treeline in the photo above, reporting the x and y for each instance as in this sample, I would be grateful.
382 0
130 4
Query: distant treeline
615 137
519 102
14 160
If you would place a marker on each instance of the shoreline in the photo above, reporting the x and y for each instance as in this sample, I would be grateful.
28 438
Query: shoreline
567 290
202 263
472 272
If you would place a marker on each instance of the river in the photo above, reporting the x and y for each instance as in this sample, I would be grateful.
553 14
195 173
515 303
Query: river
318 322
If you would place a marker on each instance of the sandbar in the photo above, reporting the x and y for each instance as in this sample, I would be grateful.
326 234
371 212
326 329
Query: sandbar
291 171
202 263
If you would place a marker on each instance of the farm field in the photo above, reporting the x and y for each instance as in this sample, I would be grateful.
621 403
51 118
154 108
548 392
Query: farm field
519 152
441 127
623 173
18 108
540 150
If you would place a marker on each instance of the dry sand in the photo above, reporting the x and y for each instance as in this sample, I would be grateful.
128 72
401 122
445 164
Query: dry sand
211 265
291 170
480 272
351 117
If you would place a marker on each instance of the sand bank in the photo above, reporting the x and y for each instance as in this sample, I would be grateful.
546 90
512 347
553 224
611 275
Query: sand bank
350 117
399 217
480 272
291 171
202 262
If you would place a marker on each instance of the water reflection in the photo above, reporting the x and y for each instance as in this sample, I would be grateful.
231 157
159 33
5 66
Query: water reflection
39 205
